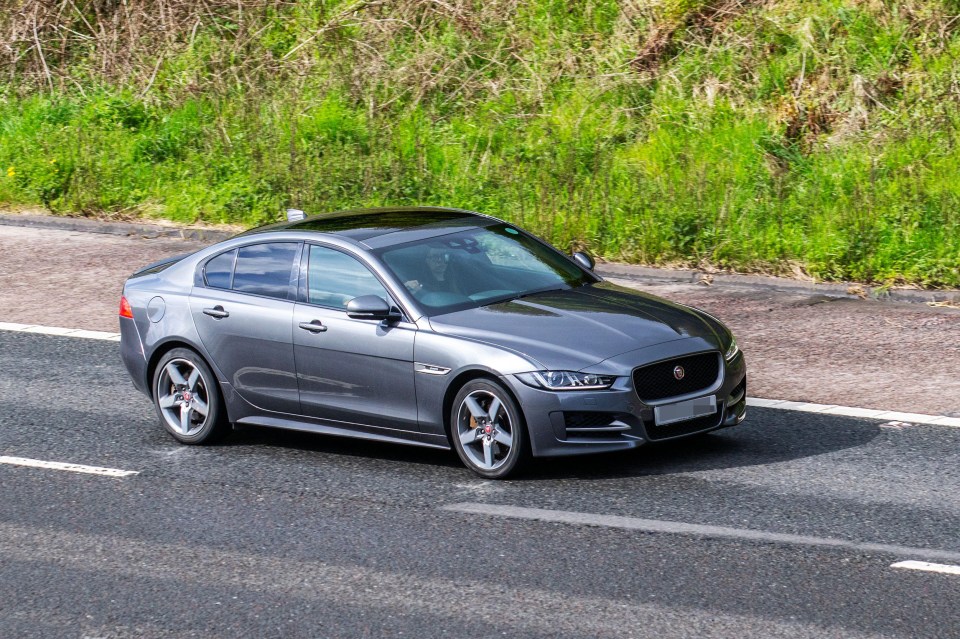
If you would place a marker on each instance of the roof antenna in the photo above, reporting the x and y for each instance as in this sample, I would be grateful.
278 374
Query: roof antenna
295 214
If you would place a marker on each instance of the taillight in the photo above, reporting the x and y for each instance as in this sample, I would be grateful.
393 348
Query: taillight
125 310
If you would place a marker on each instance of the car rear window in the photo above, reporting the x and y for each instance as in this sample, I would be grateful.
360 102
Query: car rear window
265 269
218 271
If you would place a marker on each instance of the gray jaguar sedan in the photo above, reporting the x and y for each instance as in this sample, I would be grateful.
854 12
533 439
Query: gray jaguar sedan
427 326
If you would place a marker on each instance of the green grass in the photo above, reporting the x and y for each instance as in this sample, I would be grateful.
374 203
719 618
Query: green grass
794 135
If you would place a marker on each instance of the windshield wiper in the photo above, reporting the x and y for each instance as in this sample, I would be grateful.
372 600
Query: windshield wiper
520 296
537 292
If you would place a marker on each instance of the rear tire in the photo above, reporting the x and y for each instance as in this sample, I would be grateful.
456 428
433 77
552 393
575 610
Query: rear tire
187 398
487 430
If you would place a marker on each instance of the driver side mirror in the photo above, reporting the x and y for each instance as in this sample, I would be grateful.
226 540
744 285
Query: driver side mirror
584 260
371 307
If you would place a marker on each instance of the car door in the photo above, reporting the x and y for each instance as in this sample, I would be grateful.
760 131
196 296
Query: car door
244 316
353 371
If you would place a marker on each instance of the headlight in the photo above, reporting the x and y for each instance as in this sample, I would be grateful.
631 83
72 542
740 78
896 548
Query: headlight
566 380
732 350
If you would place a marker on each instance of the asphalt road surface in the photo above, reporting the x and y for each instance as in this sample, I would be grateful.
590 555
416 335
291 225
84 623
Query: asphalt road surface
787 526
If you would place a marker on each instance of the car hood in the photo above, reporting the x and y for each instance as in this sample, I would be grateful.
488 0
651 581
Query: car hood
576 328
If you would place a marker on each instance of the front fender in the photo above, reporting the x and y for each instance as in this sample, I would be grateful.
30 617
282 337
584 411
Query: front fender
457 360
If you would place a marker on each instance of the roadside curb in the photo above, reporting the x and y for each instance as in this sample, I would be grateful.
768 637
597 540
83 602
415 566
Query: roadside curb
847 290
607 269
85 225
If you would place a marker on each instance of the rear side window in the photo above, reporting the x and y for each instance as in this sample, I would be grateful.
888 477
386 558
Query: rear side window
219 270
265 269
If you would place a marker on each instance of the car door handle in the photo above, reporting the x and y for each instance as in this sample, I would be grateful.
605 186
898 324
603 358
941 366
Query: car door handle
216 312
314 327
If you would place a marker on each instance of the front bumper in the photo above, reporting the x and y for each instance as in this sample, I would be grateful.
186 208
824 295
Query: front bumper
581 422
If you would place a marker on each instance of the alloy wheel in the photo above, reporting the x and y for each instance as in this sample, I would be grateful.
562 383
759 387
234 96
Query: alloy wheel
183 397
485 430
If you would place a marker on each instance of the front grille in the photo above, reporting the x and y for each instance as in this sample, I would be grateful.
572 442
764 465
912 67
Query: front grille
688 427
657 381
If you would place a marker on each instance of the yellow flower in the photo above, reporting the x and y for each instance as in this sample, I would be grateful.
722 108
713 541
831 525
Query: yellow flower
11 172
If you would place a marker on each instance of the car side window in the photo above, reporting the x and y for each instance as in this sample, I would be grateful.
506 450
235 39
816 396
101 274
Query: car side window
265 269
335 278
219 271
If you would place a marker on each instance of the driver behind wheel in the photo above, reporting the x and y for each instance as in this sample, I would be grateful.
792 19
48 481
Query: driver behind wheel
438 277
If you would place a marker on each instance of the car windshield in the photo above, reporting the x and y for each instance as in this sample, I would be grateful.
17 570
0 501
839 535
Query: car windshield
479 266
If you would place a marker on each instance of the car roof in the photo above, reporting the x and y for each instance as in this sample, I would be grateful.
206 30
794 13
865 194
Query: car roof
373 226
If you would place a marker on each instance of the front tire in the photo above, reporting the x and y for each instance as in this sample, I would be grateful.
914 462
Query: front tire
487 429
187 398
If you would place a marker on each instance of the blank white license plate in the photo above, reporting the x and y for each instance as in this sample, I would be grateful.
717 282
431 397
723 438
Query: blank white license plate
682 411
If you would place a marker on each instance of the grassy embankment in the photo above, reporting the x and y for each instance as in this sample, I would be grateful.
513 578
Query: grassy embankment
814 136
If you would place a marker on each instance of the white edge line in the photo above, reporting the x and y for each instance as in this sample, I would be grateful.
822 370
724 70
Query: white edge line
59 331
764 403
74 468
946 421
945 569
852 411
779 404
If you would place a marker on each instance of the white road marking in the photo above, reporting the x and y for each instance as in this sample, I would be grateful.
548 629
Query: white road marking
896 425
73 468
928 567
59 330
698 530
850 411
779 404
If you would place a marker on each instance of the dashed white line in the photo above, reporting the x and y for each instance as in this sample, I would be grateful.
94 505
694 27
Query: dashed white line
696 530
779 404
73 468
945 569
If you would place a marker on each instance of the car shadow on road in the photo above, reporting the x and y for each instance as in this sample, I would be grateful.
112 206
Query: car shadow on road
768 436
344 446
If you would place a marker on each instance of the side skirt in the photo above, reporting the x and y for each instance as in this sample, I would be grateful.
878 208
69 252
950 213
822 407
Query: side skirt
408 438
